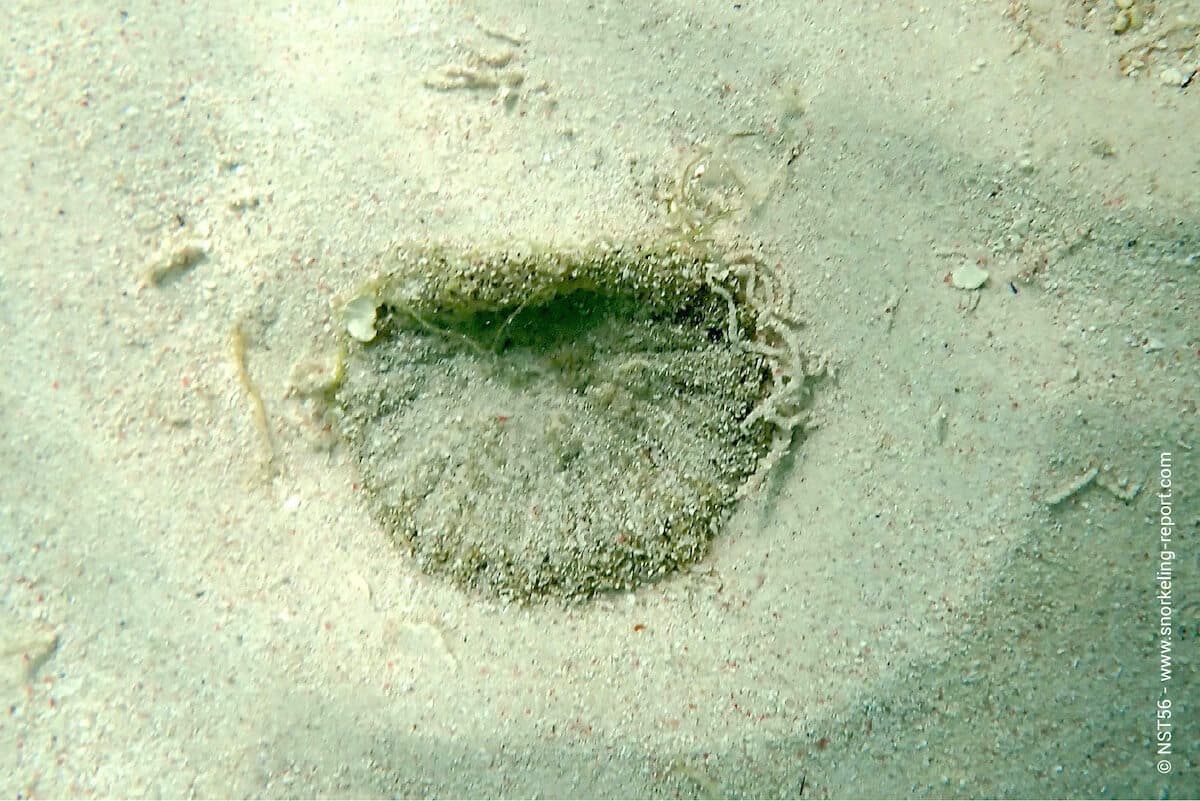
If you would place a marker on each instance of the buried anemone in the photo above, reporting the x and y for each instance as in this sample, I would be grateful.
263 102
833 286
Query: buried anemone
561 423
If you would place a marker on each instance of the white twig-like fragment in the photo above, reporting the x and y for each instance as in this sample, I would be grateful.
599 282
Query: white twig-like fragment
1074 488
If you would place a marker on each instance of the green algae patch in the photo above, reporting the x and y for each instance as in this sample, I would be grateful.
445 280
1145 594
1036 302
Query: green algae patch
559 423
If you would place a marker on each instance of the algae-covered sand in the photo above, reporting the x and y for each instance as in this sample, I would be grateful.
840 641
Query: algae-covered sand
945 583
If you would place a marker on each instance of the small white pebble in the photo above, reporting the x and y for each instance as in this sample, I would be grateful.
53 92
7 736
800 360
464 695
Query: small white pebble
292 503
1171 76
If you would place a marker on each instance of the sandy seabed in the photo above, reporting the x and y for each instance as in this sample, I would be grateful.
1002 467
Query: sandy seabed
947 590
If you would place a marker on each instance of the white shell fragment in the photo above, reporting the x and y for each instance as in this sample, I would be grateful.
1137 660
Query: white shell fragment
969 276
360 318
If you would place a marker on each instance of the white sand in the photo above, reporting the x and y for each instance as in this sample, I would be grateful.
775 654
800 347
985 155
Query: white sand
898 613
